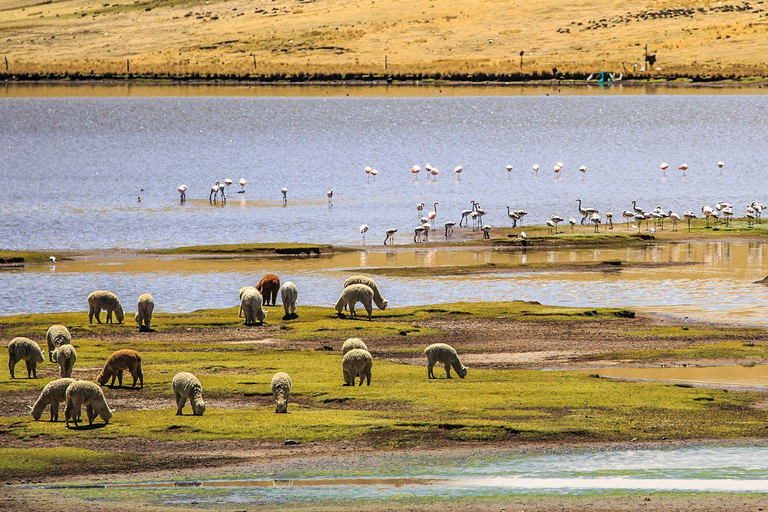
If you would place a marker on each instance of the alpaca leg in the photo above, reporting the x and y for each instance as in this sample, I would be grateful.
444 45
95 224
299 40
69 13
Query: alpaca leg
178 403
11 365
120 378
367 378
97 312
369 309
29 369
447 371
181 403
54 411
430 370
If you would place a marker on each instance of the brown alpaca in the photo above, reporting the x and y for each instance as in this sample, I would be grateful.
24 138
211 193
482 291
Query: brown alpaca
125 359
268 287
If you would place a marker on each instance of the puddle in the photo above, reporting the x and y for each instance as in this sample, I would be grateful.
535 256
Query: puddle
420 476
731 376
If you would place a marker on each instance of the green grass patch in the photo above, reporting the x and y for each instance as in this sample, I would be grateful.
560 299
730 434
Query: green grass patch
313 322
21 257
20 462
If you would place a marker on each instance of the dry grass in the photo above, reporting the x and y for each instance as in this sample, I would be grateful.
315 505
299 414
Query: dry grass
187 37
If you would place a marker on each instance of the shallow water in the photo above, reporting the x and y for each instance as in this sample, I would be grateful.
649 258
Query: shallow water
71 168
736 376
718 286
412 477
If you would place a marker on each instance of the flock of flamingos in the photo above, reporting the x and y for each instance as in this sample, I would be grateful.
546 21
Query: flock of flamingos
589 215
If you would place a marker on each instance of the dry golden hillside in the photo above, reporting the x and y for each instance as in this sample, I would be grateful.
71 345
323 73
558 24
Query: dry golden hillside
182 37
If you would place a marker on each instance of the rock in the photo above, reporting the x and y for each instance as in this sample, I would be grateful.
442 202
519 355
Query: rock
291 442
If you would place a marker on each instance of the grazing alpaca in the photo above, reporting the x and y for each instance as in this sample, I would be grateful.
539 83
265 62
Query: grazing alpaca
268 287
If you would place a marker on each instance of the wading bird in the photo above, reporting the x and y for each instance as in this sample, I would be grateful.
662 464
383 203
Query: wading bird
363 230
449 229
390 236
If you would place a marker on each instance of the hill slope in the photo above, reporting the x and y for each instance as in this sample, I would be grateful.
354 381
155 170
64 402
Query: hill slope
418 36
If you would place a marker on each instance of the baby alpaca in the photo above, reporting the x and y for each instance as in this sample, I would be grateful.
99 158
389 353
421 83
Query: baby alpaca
57 335
54 393
187 386
357 363
66 356
144 312
352 295
268 288
125 359
352 343
24 349
281 388
82 392
446 354
104 300
289 293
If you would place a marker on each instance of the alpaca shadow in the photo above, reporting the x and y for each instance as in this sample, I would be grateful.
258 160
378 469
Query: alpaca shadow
290 316
256 324
144 328
126 387
88 427
353 318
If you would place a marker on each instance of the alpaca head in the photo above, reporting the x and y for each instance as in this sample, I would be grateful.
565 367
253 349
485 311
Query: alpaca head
119 314
281 405
462 371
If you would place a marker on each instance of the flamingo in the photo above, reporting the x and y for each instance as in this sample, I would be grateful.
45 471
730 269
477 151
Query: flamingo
509 171
716 215
721 164
637 208
418 233
728 213
182 193
707 211
221 191
433 213
284 191
474 216
486 232
368 171
585 212
657 214
434 172
374 173
415 170
457 171
750 216
583 171
683 167
53 259
664 166
557 220
609 216
419 208
242 186
688 216
560 164
427 227
330 197
449 229
514 216
536 169
557 171
363 230
550 226
628 215
214 192
596 220
464 215
639 217
758 207
521 214
675 218
227 182
480 214
390 235
572 222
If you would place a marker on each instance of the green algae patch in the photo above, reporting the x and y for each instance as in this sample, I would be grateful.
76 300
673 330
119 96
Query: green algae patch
31 462
715 351
23 257
257 249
